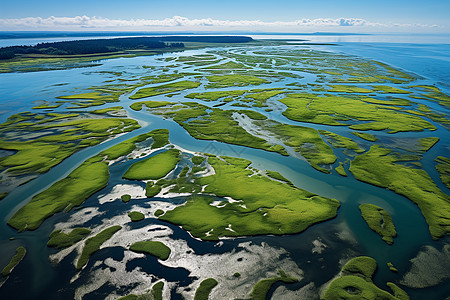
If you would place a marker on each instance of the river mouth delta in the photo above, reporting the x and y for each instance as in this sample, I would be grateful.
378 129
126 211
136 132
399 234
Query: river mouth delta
264 171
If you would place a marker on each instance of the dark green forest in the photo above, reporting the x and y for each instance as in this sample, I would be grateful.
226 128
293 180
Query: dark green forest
95 46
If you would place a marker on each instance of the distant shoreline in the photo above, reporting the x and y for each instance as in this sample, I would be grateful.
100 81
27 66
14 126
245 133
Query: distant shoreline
114 45
96 34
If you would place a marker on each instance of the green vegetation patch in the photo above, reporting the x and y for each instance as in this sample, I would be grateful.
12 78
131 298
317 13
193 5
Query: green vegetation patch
38 155
136 216
230 65
154 167
47 106
94 243
155 294
219 125
443 167
90 177
335 110
160 139
58 141
365 136
157 290
380 167
348 89
197 160
214 96
15 260
379 221
264 94
264 206
308 142
340 169
165 89
390 101
426 143
278 176
150 104
151 190
59 239
205 288
338 141
392 268
107 110
253 114
389 89
355 282
125 198
261 289
102 95
153 248
159 212
220 81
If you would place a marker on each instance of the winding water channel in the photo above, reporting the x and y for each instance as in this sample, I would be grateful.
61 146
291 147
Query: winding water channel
411 227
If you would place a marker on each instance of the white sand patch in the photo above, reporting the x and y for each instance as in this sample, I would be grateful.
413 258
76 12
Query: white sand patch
187 151
247 124
319 246
229 228
126 237
231 200
429 268
165 193
217 203
79 218
308 292
253 263
345 233
144 151
117 275
135 191
209 170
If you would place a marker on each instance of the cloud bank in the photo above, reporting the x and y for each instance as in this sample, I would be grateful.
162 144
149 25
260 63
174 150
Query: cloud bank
80 22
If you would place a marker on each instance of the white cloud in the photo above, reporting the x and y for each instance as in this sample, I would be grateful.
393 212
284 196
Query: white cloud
79 22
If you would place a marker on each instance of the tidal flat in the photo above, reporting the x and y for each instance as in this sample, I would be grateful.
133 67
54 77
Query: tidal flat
262 171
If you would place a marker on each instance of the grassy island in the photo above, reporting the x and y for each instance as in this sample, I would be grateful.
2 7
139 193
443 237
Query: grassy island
335 110
61 240
264 206
261 289
443 167
87 179
38 155
340 170
65 194
153 248
413 183
94 243
136 216
355 282
125 198
205 288
379 221
154 167
15 260
165 89
215 125
219 81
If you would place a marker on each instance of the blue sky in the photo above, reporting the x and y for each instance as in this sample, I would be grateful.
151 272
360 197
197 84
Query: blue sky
179 15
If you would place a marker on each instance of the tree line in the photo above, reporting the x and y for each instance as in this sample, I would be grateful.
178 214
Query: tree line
87 47
95 46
